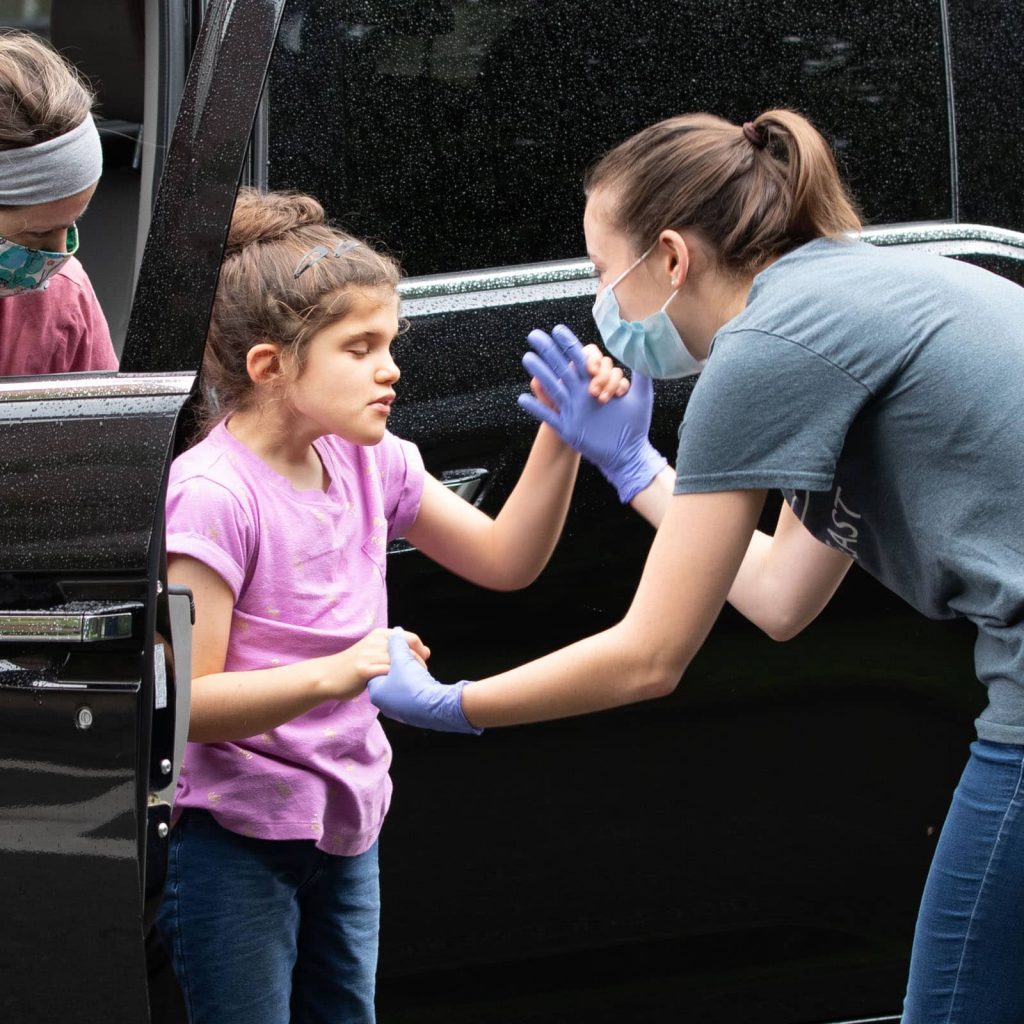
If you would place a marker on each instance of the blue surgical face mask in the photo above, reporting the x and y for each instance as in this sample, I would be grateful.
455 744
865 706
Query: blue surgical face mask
652 345
28 270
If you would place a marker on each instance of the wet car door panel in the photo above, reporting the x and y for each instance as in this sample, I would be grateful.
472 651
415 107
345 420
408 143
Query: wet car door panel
94 649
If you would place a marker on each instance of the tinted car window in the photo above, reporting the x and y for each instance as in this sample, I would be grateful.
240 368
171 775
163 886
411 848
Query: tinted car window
988 79
30 15
458 132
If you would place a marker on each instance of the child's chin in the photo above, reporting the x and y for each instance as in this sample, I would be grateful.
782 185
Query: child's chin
367 438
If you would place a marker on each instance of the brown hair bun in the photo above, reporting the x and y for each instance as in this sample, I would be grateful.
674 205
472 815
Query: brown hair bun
266 217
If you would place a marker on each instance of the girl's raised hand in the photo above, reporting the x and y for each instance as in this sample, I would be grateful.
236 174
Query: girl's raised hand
351 669
610 435
607 381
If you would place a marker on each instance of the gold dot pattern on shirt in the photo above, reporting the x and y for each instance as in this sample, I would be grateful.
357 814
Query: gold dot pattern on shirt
246 754
273 611
241 625
319 517
376 540
330 732
282 789
213 533
315 826
214 798
275 662
266 737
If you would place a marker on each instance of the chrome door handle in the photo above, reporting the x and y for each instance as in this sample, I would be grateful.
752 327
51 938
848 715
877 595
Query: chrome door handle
75 623
464 482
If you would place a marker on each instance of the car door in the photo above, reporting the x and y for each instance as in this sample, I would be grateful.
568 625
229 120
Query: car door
94 648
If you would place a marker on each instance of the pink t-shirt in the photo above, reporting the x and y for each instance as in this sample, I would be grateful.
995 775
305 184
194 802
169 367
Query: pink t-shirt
58 329
307 572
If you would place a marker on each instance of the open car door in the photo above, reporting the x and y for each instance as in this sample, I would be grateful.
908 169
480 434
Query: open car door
94 650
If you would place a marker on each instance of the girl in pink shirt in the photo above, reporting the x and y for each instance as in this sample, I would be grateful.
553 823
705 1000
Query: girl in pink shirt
278 521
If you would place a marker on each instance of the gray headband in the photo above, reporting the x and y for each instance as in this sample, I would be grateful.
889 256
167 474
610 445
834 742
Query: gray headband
51 170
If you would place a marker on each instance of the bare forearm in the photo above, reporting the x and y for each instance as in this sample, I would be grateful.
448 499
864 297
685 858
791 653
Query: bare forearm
233 705
653 501
524 533
602 671
785 580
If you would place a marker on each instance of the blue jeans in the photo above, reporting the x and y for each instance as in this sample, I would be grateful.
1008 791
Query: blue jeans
967 965
269 931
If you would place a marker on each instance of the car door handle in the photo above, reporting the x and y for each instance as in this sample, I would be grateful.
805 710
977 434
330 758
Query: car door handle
75 623
464 482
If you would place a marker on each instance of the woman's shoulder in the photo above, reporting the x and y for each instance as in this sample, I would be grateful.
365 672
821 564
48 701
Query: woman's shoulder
71 280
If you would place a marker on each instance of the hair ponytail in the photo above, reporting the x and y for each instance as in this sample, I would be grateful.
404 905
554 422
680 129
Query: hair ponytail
754 192
820 204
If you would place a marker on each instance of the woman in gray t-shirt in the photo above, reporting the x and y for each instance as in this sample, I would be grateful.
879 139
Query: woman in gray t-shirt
846 376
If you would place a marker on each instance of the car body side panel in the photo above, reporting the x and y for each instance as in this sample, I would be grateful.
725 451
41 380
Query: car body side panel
82 465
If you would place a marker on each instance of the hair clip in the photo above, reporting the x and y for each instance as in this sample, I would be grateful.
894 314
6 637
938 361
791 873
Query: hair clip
318 252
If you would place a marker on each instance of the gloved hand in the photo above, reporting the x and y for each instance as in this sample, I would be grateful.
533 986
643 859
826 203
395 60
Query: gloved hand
612 436
410 694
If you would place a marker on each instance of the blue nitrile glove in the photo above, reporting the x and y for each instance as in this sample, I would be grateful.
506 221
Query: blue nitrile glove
612 436
410 694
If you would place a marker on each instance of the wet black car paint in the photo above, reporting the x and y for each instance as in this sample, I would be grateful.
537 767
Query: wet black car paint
84 469
751 848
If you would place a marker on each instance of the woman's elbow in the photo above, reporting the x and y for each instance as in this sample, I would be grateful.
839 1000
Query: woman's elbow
781 628
658 678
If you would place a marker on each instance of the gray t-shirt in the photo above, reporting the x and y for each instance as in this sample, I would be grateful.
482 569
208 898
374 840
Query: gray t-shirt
882 392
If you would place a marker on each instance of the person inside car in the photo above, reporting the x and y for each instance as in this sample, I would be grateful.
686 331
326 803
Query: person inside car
50 165
880 392
278 521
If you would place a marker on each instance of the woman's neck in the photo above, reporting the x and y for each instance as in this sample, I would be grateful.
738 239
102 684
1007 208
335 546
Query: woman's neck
716 299
277 443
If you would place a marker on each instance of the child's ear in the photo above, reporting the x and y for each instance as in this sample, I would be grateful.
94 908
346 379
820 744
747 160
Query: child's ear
264 363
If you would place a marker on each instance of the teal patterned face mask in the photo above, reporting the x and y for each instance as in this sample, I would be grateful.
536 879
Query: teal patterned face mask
28 270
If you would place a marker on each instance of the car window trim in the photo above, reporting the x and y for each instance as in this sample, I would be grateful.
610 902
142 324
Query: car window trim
566 279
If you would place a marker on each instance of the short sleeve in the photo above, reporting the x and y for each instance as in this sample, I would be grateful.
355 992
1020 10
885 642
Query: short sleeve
402 476
85 336
207 522
767 412
93 349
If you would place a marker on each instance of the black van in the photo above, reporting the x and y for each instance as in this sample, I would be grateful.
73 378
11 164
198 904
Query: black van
751 849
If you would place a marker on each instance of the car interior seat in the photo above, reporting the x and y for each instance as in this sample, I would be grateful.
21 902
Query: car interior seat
106 42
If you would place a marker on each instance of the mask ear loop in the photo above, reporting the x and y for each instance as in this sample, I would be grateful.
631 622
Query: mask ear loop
629 270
